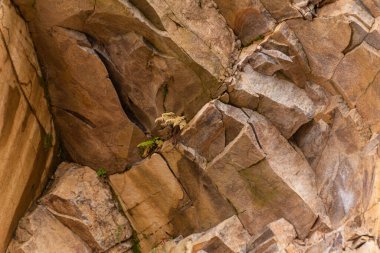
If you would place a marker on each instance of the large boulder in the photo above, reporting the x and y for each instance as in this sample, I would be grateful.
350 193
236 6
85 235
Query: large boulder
81 201
40 232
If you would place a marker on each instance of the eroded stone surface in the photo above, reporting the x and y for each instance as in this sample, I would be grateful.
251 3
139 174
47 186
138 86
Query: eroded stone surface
229 236
27 135
356 72
41 232
282 102
81 201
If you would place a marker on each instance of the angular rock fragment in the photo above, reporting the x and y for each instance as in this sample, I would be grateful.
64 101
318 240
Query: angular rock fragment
228 236
151 82
283 103
373 38
281 53
281 9
291 168
212 48
350 8
87 115
373 7
151 196
214 126
159 205
356 72
249 19
40 232
342 169
81 201
368 105
275 238
323 60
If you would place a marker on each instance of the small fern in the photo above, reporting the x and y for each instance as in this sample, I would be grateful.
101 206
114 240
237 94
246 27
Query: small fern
101 172
149 146
172 120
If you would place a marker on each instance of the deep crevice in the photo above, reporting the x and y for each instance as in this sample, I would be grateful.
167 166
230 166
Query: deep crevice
117 86
78 116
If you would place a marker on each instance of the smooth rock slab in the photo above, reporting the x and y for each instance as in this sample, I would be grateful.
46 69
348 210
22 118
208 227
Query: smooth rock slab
81 201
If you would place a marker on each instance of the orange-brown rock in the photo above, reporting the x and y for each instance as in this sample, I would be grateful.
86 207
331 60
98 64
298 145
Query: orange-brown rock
40 232
249 19
27 135
228 236
323 60
81 201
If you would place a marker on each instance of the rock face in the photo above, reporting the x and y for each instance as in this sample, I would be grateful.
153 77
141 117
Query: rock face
278 146
39 231
85 205
77 214
27 135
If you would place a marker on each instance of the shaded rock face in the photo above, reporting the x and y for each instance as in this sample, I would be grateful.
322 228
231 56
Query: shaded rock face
279 153
27 134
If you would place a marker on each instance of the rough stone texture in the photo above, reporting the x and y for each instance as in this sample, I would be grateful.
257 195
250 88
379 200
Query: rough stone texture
159 206
249 19
335 39
81 201
228 236
281 102
27 135
97 113
40 232
356 72
275 238
151 194
99 36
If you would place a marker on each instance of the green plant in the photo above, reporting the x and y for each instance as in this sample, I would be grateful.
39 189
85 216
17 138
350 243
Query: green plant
101 172
48 141
136 243
118 233
259 37
149 146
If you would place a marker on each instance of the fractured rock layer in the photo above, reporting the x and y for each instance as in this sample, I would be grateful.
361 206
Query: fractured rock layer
279 153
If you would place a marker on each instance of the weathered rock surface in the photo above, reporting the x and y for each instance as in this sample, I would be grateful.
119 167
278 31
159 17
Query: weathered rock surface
81 201
80 210
96 113
276 238
40 232
249 19
27 134
282 102
335 39
356 72
278 150
158 205
228 236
